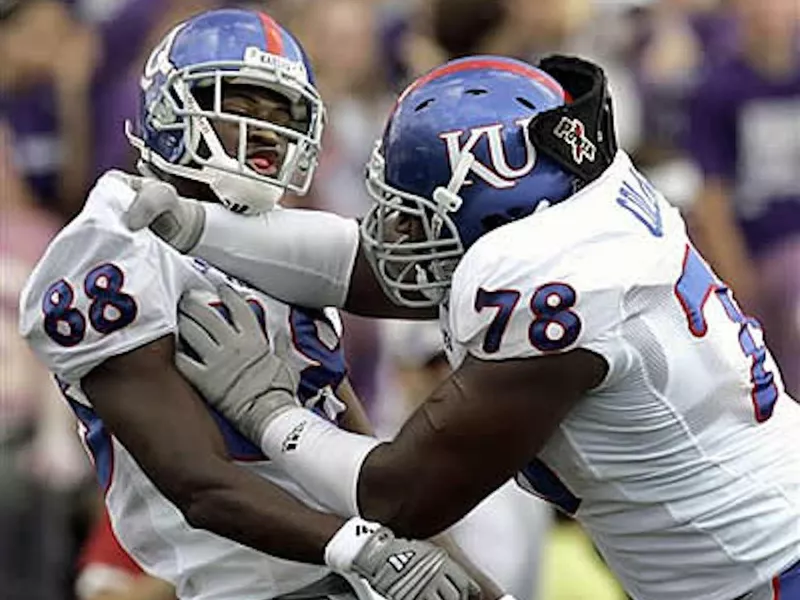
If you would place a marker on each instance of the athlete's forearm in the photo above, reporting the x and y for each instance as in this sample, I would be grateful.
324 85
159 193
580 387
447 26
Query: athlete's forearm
306 257
360 476
299 256
158 418
267 518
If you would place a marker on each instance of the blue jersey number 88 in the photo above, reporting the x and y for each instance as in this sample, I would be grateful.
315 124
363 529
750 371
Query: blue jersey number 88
111 309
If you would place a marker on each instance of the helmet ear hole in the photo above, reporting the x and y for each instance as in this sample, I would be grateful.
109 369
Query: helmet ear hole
167 144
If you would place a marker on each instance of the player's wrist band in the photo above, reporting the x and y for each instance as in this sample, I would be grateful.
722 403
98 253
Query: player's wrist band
297 437
344 546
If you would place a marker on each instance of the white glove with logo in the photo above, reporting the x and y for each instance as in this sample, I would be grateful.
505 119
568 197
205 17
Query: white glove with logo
176 220
230 362
396 568
411 570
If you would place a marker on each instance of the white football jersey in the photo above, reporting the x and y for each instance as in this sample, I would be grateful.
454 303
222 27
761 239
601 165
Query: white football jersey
683 464
101 290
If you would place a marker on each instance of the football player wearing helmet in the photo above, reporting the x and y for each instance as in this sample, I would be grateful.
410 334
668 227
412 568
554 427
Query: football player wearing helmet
236 116
229 113
597 357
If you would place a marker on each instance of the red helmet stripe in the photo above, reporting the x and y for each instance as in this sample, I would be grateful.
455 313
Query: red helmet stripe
486 63
272 34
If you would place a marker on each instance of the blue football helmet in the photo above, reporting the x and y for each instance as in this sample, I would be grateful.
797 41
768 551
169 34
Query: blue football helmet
456 161
206 52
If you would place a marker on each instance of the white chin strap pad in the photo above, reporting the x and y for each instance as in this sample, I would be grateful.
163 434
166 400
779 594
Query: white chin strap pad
239 193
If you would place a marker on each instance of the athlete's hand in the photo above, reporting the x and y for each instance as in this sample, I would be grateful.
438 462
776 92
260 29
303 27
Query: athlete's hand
396 568
228 360
176 220
412 570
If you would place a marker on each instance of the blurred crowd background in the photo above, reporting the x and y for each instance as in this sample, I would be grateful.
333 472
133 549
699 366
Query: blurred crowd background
707 97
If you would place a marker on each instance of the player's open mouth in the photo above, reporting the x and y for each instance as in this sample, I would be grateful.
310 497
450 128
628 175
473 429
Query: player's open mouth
264 161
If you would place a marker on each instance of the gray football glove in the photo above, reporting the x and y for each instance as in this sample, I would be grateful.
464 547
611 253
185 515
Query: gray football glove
230 362
176 220
402 569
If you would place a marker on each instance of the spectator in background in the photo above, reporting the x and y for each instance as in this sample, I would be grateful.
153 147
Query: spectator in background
744 134
668 46
41 461
341 38
672 40
427 33
406 42
49 59
516 28
106 572
59 73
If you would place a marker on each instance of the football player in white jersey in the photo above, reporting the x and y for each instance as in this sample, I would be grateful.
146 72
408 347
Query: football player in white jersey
228 113
597 356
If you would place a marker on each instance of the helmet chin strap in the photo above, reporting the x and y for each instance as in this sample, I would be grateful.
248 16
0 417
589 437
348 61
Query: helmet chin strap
446 198
237 192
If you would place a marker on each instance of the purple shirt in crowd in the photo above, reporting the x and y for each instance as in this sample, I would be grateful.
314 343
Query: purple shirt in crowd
32 115
744 128
664 100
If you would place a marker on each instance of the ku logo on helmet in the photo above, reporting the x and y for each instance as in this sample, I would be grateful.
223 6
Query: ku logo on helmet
499 173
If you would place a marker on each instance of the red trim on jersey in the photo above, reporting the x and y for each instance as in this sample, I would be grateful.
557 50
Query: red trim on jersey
687 310
103 548
776 588
487 63
88 448
272 34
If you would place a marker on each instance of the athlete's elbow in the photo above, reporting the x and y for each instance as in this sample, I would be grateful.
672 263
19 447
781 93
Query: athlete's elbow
202 511
207 507
383 489
198 496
